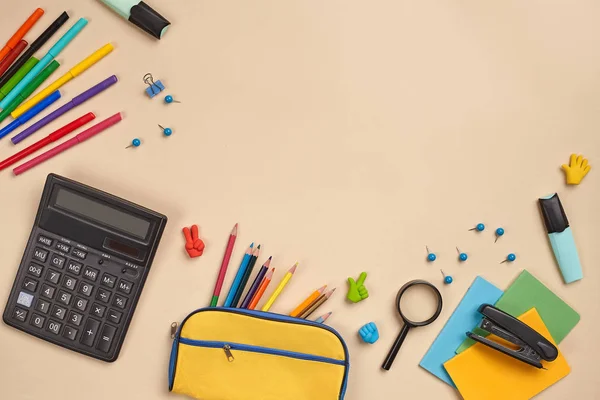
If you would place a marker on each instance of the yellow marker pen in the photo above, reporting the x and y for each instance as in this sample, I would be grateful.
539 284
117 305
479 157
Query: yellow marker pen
73 72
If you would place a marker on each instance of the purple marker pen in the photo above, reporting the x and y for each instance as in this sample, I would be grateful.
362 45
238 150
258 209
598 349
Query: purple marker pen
77 100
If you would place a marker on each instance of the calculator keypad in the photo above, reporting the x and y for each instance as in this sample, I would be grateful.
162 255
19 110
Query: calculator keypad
70 294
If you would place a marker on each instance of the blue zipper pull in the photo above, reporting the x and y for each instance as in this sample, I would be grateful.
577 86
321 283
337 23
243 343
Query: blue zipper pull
227 350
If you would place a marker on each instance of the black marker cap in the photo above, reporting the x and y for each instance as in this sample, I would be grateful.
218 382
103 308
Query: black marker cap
147 19
554 215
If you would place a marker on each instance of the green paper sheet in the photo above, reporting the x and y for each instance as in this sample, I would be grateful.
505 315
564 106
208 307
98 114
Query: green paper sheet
527 292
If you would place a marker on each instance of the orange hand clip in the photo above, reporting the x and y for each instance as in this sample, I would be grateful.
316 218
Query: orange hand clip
193 245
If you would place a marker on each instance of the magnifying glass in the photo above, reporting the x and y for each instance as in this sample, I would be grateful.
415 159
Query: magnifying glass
409 323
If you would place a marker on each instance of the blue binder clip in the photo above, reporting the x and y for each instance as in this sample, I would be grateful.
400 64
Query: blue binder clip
153 88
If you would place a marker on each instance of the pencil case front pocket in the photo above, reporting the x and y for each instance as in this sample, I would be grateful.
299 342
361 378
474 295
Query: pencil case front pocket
235 354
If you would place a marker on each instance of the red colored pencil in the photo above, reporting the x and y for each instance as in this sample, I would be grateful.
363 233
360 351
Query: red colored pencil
261 289
224 265
53 137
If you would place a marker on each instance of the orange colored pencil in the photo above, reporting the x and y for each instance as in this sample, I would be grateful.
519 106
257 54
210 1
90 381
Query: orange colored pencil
261 289
316 294
16 38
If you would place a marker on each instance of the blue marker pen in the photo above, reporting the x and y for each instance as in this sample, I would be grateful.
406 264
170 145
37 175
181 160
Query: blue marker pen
47 59
561 238
32 112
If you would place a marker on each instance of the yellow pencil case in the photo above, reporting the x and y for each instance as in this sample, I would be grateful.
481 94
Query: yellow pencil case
239 354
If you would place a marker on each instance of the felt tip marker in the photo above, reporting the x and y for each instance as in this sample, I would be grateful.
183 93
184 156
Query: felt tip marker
27 25
141 15
23 119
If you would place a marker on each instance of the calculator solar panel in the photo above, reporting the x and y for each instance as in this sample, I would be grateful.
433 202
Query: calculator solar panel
84 268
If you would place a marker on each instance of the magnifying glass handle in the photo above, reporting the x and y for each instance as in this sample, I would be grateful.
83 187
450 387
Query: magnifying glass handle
389 360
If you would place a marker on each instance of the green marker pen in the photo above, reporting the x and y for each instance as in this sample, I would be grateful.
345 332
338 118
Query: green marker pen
140 14
16 78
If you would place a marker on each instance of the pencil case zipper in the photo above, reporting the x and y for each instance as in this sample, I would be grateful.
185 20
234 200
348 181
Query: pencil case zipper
228 347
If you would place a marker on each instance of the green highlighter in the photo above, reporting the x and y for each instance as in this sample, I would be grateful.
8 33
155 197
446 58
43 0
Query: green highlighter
29 89
16 78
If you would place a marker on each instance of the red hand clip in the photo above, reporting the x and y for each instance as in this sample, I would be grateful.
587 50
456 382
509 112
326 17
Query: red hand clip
193 245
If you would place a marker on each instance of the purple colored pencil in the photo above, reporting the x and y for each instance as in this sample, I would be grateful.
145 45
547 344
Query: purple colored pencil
77 100
256 284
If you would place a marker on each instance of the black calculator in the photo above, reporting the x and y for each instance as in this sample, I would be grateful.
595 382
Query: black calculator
84 268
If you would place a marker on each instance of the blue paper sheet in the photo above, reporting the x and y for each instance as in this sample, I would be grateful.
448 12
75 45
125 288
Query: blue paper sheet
463 319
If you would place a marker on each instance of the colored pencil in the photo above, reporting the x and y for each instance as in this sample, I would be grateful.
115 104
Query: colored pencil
77 70
238 276
23 29
280 288
244 281
307 313
75 101
309 300
34 84
35 46
224 265
261 289
12 56
53 137
323 318
255 285
80 138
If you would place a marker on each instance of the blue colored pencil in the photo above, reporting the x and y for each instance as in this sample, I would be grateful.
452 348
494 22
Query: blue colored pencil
238 276
256 284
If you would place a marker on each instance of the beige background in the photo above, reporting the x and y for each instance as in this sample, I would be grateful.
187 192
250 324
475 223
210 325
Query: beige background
346 135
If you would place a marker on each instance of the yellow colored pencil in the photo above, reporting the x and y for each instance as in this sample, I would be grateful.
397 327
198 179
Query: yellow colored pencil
73 72
309 300
280 288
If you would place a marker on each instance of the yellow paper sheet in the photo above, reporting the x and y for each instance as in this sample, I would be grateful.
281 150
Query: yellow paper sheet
481 372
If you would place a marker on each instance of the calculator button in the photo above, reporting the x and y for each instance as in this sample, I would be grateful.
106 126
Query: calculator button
98 310
125 286
74 267
75 318
29 284
20 314
89 332
48 291
103 295
45 241
120 301
69 282
42 306
65 248
109 280
70 332
35 270
80 303
106 338
64 297
114 316
79 254
25 299
53 276
85 288
37 320
59 312
57 261
90 273
40 255
54 327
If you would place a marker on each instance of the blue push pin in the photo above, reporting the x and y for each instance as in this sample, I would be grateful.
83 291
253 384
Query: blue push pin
499 232
462 256
166 131
510 258
447 278
479 227
169 99
431 257
134 143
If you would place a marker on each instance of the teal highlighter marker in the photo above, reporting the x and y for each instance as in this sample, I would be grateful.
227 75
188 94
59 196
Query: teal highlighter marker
47 59
561 238
140 14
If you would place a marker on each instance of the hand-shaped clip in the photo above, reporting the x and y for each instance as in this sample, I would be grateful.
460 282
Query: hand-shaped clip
576 170
193 245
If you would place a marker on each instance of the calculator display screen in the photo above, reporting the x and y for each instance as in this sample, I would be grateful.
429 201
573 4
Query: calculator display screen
102 213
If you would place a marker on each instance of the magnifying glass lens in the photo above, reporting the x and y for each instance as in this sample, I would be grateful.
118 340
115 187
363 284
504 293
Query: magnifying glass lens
418 303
